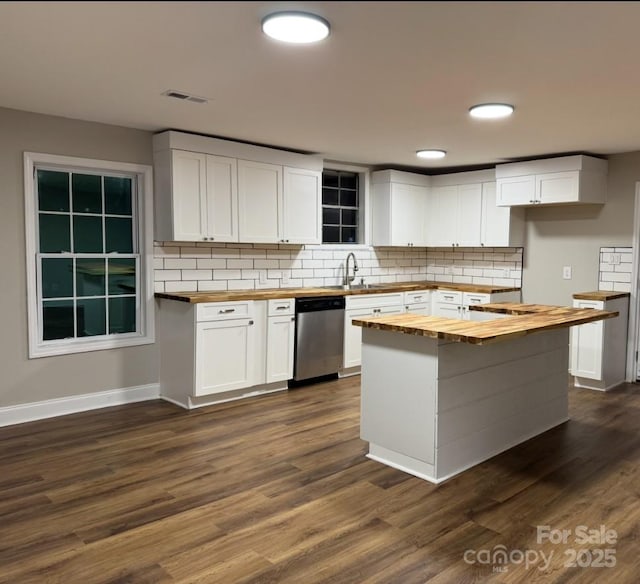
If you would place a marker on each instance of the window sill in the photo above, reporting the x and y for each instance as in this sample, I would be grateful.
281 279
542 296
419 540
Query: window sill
69 348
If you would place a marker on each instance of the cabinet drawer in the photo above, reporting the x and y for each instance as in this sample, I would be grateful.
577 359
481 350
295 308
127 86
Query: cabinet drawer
595 304
374 300
281 306
469 299
223 310
417 297
448 297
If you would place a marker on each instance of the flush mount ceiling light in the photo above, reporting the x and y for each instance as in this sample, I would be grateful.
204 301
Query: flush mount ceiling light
431 154
491 111
295 27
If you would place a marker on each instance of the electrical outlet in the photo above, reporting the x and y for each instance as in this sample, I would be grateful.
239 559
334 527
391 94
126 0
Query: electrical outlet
506 272
262 277
566 272
448 270
615 258
285 277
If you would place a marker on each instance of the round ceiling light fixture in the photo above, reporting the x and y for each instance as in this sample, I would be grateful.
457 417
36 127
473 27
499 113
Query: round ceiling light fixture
295 27
491 111
431 154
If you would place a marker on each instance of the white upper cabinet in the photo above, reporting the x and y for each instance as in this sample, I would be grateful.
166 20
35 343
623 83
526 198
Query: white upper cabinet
302 206
399 208
222 198
208 189
454 215
553 181
500 226
259 202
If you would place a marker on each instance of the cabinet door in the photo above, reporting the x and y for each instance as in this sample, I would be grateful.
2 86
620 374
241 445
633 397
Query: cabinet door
302 206
224 356
353 337
495 227
587 345
259 202
408 214
557 187
447 310
469 211
469 299
222 198
442 216
422 309
189 195
280 342
516 190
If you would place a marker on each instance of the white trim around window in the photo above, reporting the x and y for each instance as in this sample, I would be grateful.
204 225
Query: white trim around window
143 227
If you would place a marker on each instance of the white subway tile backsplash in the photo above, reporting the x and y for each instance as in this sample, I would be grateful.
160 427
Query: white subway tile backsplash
612 275
218 266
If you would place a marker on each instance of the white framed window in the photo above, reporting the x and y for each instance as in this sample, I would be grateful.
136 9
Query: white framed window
89 243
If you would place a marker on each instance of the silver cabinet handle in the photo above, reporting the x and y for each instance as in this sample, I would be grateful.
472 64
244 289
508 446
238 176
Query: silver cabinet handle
281 307
226 311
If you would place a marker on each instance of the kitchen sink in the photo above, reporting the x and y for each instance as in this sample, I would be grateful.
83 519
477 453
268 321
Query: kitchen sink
356 287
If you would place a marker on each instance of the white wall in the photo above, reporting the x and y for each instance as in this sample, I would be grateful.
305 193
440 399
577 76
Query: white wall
573 235
24 380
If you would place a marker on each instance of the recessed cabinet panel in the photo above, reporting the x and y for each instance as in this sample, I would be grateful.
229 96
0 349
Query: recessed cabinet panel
469 212
302 206
223 356
259 201
442 216
280 344
557 187
517 190
189 195
222 198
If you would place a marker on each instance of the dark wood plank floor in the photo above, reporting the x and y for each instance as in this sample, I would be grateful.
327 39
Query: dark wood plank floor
277 489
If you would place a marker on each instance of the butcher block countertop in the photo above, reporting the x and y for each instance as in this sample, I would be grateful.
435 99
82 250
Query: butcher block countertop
523 319
274 293
601 295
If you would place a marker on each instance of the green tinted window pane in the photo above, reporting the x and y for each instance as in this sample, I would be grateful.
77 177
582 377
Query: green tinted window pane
349 217
57 277
57 319
117 195
87 193
349 198
87 234
55 235
330 196
90 277
122 315
122 276
330 234
92 317
330 178
119 234
53 190
348 180
349 235
330 216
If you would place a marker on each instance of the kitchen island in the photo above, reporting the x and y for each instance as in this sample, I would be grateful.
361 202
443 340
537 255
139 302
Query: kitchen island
440 395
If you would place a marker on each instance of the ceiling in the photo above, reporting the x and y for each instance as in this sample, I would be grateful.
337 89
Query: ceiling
392 78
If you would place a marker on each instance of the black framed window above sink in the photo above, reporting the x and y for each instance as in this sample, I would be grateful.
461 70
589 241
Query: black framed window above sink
340 206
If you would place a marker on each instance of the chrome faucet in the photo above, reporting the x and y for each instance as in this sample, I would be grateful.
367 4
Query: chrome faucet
347 277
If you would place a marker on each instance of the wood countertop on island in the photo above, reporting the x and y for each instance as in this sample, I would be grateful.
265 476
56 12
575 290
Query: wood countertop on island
521 320
274 293
600 295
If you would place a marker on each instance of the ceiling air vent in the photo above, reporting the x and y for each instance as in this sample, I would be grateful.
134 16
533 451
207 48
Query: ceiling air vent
185 96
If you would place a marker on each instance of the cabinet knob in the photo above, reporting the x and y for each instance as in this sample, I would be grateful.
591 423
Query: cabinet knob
250 322
482 245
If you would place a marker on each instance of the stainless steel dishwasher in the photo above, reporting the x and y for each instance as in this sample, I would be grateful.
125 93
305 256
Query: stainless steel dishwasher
319 337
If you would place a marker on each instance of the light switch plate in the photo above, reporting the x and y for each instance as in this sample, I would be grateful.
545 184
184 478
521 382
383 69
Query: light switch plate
285 277
262 277
615 258
566 272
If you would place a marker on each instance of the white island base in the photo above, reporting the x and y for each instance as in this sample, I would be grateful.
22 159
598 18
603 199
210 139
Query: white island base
434 408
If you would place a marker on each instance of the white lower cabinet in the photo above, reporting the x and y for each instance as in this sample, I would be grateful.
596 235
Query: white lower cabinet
365 306
224 356
455 304
216 351
599 349
281 327
418 302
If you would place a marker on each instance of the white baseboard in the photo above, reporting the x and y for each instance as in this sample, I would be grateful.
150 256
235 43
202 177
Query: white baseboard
50 408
